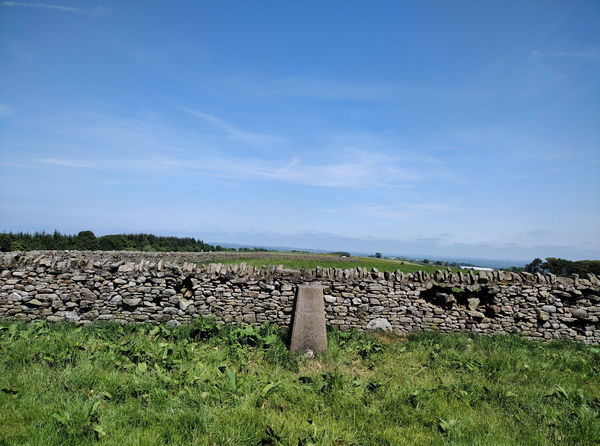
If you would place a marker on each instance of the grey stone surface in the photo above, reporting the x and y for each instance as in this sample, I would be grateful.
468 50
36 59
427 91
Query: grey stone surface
473 303
579 313
71 316
309 335
379 323
543 315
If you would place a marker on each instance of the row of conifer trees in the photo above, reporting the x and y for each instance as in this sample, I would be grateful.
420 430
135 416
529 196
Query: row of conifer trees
87 240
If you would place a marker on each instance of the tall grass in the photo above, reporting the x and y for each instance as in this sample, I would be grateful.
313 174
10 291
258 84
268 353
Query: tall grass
207 384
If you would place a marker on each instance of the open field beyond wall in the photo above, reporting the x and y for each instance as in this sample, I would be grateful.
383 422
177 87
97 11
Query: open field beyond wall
291 260
325 261
206 384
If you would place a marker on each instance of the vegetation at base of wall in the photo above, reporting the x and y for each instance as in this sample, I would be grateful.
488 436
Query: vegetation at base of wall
334 262
87 240
563 267
207 384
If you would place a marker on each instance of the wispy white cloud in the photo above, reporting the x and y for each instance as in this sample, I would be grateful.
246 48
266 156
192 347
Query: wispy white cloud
233 131
357 170
347 169
154 147
591 53
128 135
352 173
64 162
6 111
72 9
45 6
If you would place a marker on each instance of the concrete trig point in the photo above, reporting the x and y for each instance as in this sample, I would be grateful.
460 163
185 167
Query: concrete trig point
309 335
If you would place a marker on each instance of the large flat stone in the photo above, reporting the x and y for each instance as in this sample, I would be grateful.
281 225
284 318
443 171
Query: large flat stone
379 323
309 335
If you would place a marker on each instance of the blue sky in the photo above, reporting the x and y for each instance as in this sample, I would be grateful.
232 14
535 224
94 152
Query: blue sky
468 129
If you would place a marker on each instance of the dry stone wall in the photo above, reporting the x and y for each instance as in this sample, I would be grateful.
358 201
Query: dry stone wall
83 287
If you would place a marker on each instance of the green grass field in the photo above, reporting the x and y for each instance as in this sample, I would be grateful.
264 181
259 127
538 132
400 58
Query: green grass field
337 262
211 385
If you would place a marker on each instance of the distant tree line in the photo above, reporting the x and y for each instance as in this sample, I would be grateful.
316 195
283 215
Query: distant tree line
86 240
563 267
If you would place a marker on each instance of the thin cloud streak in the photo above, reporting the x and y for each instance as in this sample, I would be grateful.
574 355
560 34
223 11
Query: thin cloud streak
6 111
64 162
232 131
71 9
592 53
154 147
361 171
355 173
45 6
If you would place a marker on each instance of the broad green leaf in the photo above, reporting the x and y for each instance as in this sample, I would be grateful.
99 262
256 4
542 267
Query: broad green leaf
62 418
99 430
268 388
95 407
445 425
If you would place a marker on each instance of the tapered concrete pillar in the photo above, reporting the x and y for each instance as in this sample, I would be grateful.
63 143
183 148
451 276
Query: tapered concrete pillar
309 335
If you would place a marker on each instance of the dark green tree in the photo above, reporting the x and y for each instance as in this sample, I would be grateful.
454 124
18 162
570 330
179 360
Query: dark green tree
86 240
536 266
4 242
558 266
